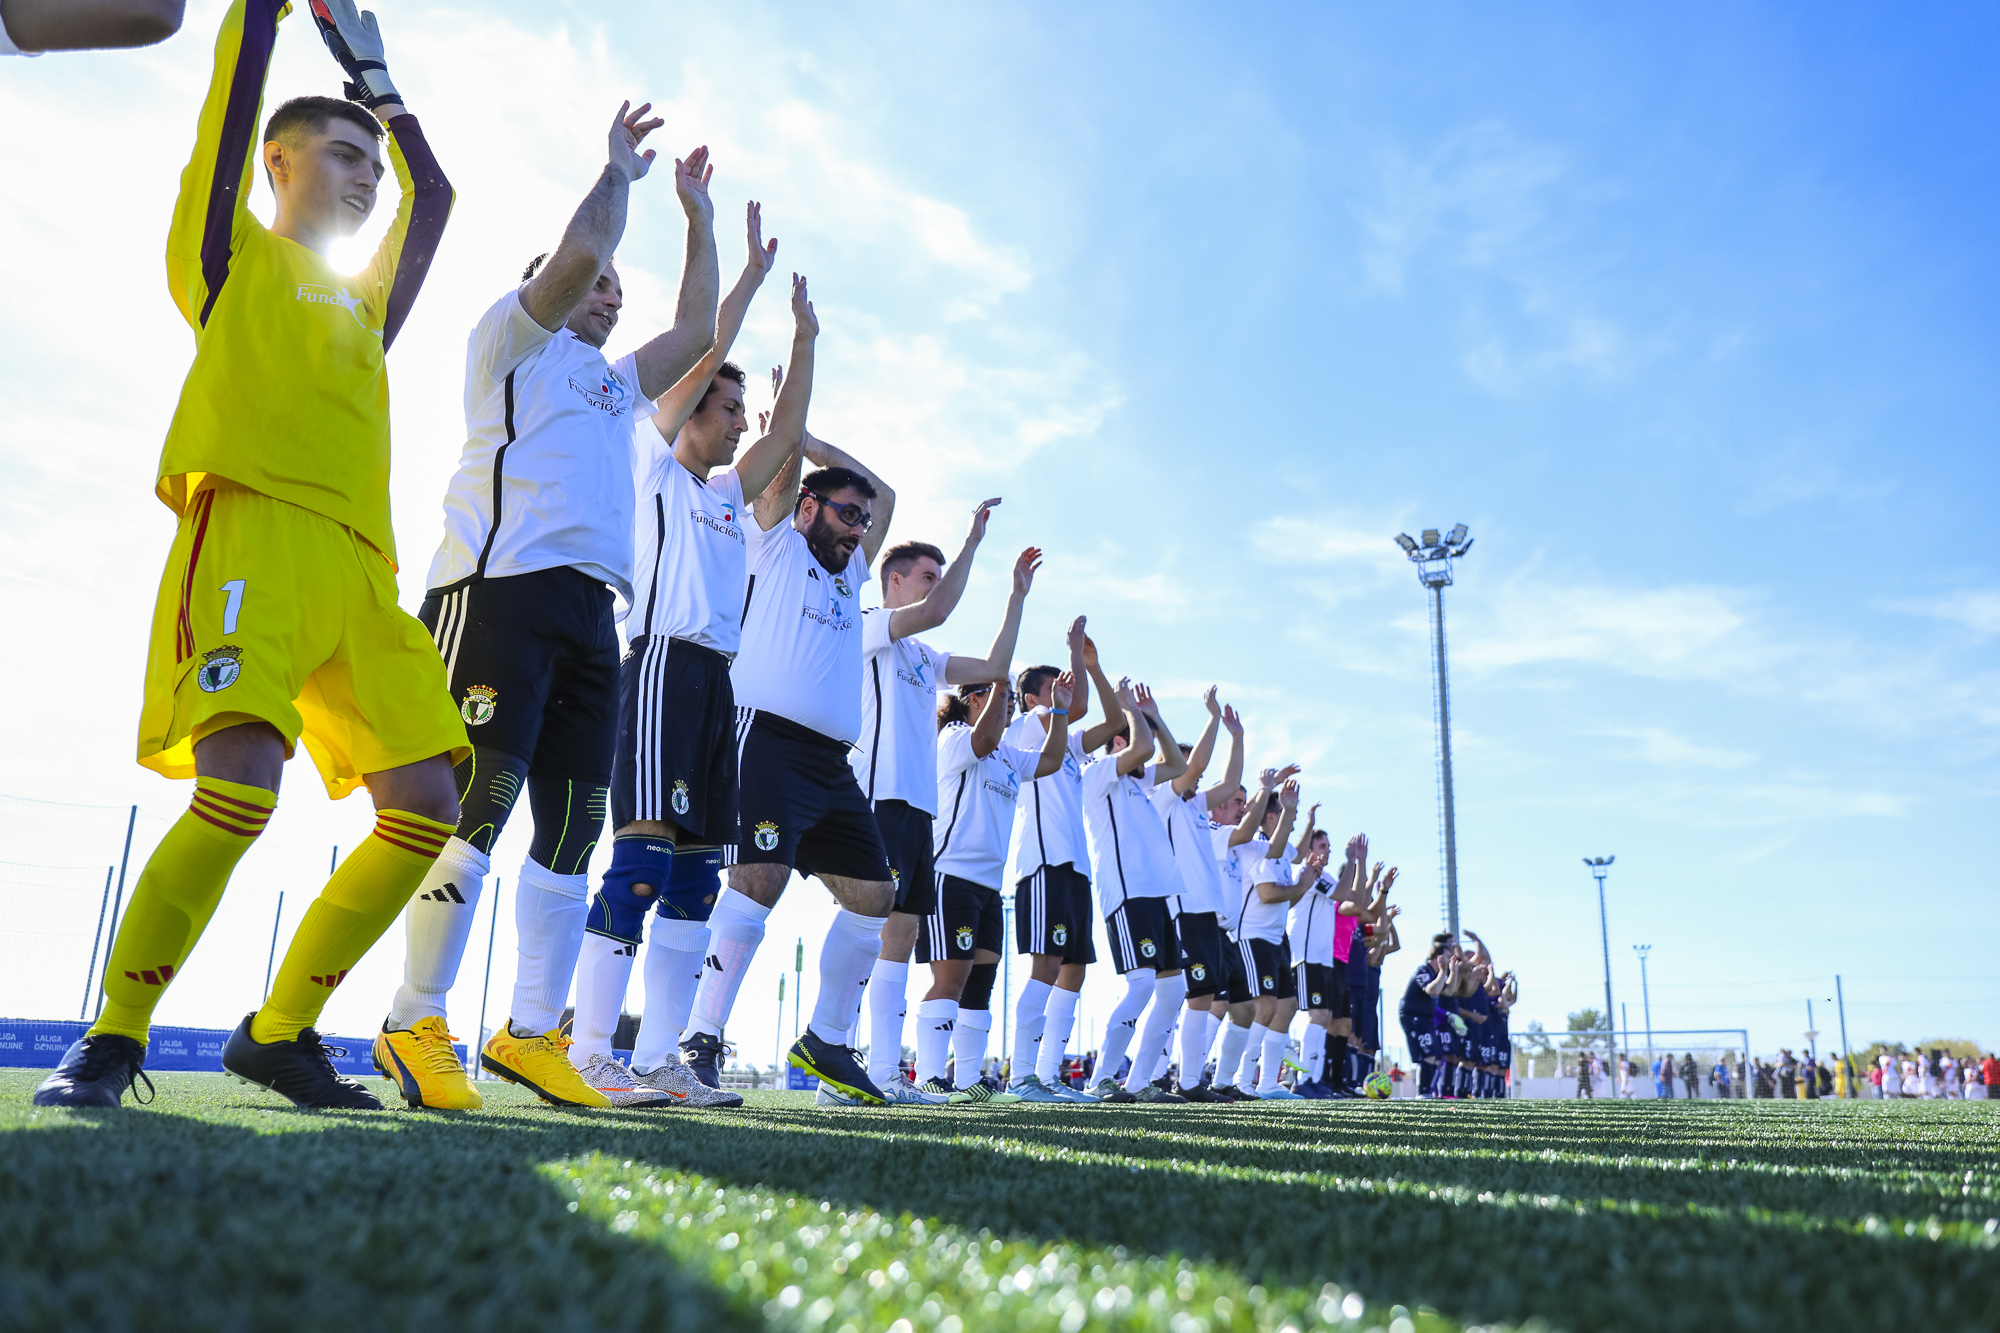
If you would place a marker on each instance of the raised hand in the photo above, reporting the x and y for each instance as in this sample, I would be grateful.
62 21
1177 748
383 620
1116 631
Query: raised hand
803 318
1208 702
1025 566
691 179
1232 722
778 372
1143 696
628 130
762 253
1312 815
1059 694
1122 692
1289 770
1089 653
1314 864
1360 846
1388 882
1288 795
1076 637
978 533
763 423
1268 779
356 42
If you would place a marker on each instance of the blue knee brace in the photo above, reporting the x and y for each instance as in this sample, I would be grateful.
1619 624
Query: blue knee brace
615 911
696 883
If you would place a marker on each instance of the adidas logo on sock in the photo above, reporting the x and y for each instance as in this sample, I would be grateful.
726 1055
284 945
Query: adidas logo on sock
330 981
629 951
152 977
714 963
448 894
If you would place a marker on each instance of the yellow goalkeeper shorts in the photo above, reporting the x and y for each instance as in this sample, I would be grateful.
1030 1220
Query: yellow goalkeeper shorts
269 612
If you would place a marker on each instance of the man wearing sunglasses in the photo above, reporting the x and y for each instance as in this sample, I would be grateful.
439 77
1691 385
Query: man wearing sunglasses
797 684
896 760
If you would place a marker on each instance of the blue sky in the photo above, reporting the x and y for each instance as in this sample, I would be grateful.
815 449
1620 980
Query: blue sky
1687 314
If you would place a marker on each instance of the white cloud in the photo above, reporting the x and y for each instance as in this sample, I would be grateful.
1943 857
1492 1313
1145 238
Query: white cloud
1657 745
1975 609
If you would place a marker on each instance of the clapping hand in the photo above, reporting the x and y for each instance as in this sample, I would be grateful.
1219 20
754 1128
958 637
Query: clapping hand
628 131
691 177
1025 566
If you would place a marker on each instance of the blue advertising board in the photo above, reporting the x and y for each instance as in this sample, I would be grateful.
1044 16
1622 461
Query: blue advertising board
34 1043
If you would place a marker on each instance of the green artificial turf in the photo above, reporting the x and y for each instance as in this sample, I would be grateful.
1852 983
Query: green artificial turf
217 1207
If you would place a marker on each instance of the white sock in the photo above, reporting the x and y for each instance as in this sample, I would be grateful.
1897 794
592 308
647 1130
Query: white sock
968 1045
936 1020
549 912
852 942
436 925
1059 1021
603 972
888 1005
1275 1043
1155 1038
1120 1028
1313 1046
1030 1014
674 953
1234 1038
735 929
1253 1046
1195 1028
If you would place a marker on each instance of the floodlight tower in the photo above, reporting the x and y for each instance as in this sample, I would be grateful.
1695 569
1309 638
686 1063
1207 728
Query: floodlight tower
1646 995
1433 556
1600 866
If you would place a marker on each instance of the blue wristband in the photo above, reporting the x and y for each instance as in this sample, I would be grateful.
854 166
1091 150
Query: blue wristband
1060 712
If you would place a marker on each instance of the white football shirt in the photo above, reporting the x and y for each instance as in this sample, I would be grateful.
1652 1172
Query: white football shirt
1193 850
1129 854
545 477
1048 822
801 651
1257 919
1312 923
975 805
897 757
693 555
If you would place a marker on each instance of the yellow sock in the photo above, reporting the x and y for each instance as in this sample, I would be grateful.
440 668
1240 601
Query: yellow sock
350 914
174 898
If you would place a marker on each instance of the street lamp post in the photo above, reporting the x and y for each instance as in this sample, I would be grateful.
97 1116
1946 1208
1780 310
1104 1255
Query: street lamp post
1600 866
1433 555
1645 997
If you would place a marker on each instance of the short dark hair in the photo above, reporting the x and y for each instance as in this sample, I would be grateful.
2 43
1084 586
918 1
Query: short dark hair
728 370
309 115
1441 941
830 479
534 266
1033 678
899 559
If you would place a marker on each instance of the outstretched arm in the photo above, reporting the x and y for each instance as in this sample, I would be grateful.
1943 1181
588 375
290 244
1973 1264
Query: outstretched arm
551 296
1170 763
1101 734
678 403
666 358
991 723
936 608
1000 657
1134 756
1303 848
1232 773
1056 743
774 504
1204 747
822 454
1079 690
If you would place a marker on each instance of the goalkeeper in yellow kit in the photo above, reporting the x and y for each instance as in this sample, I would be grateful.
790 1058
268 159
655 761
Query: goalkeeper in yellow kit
277 618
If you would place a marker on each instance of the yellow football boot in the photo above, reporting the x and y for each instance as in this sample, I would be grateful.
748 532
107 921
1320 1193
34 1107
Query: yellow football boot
541 1065
422 1064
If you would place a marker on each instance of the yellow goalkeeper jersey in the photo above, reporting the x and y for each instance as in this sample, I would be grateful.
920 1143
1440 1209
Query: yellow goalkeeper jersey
288 394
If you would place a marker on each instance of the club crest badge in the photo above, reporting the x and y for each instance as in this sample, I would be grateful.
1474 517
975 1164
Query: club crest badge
840 585
219 668
480 701
1199 972
1059 936
1147 948
1317 1003
964 937
1269 984
766 836
680 797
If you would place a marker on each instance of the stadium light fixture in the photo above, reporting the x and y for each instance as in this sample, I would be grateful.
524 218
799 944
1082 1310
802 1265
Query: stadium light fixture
1645 997
1432 554
1600 866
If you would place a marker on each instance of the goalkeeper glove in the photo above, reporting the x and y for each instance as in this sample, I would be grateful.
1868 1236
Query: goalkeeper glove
357 44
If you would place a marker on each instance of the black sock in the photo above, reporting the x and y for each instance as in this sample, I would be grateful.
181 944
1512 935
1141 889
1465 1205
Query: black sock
1336 1062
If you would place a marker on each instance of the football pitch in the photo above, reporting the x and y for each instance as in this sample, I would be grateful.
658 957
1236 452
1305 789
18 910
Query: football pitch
219 1208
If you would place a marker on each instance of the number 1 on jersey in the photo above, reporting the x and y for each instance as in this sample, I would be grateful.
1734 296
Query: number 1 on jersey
234 607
